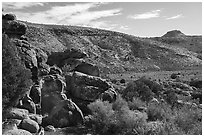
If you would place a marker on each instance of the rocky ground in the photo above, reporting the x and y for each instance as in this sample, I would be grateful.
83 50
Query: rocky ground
66 86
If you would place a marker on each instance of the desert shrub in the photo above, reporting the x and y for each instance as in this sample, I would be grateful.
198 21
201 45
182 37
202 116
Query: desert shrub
170 97
116 118
122 81
137 89
15 77
196 83
154 86
161 111
136 103
189 120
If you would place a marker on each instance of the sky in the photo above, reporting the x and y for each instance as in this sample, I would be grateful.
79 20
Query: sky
144 19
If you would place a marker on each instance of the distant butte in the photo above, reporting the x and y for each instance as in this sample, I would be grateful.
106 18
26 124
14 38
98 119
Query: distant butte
174 33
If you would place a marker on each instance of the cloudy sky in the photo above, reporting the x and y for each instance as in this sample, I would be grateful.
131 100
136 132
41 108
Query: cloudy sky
136 18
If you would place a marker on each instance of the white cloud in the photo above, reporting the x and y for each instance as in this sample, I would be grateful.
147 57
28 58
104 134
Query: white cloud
77 14
175 17
124 27
20 5
146 15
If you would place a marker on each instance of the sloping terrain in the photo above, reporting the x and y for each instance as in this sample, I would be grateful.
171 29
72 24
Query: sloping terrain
116 52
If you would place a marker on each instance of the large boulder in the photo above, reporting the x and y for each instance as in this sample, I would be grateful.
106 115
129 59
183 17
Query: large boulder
17 113
58 58
55 70
88 68
52 83
43 69
36 117
14 27
86 87
9 125
29 125
9 16
16 132
28 53
49 101
65 113
35 93
27 103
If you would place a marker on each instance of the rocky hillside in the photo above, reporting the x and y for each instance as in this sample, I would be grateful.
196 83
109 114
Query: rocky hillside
116 52
52 80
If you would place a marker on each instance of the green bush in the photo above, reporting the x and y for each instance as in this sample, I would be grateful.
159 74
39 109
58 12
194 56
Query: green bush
116 118
189 120
137 89
15 78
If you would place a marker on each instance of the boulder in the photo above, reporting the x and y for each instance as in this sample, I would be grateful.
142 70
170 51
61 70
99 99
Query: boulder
72 62
50 128
17 113
9 16
181 85
36 117
29 125
58 58
27 103
49 101
88 68
55 70
9 125
24 38
86 87
17 132
79 78
175 75
88 93
52 83
14 27
122 81
43 69
65 113
109 95
35 93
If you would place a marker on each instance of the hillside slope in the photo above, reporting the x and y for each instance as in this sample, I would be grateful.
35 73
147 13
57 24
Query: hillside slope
114 52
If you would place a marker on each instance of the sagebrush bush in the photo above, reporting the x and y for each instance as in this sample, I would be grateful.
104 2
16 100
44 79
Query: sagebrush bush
188 119
137 89
116 118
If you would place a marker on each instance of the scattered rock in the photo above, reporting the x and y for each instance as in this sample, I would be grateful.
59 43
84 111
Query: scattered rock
55 70
50 128
27 103
17 113
175 75
29 125
9 125
17 132
37 118
122 81
35 93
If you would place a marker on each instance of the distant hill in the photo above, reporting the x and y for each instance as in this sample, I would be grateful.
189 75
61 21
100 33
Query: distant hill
174 33
116 52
